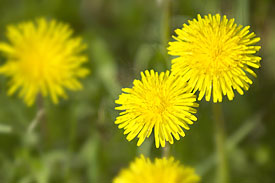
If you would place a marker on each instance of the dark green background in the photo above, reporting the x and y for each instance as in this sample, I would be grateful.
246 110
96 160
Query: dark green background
78 141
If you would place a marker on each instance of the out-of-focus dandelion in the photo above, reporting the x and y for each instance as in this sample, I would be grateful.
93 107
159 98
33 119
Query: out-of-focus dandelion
42 58
215 56
160 101
161 171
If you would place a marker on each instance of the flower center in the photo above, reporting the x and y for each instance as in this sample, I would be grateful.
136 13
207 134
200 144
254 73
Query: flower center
215 55
156 103
35 64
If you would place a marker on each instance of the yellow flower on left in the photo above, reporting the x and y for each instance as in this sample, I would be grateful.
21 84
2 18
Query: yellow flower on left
42 58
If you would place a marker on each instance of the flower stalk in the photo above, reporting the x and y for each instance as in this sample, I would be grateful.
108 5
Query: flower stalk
220 136
40 115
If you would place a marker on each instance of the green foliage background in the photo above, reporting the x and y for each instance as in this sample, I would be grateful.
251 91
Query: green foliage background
78 141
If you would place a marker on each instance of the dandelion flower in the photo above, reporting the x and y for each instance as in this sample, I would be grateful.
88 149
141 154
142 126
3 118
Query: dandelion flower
215 56
142 170
160 101
42 58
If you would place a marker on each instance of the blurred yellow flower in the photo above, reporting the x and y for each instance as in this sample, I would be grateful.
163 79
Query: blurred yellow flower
42 58
215 55
142 170
160 101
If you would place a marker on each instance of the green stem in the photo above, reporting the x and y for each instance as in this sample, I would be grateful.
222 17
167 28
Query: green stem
39 117
165 27
166 151
73 133
165 36
222 169
146 148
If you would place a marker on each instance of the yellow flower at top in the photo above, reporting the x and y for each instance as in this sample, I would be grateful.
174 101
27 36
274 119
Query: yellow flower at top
142 170
215 56
42 58
160 101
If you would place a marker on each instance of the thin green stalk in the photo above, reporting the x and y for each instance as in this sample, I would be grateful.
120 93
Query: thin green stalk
165 6
220 136
165 36
73 133
39 117
166 151
146 147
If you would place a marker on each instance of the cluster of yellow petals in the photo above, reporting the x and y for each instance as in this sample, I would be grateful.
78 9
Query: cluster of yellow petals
142 170
160 101
42 58
215 56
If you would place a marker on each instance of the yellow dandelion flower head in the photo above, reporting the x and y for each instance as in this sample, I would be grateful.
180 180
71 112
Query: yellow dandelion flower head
142 170
160 101
215 56
42 58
